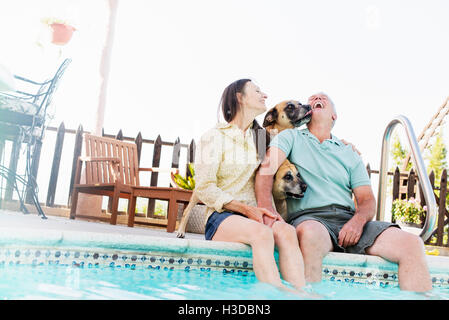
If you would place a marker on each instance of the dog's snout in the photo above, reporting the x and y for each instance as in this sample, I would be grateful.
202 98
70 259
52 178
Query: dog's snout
303 187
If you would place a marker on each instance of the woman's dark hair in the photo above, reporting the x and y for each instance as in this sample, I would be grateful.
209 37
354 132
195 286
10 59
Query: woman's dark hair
229 105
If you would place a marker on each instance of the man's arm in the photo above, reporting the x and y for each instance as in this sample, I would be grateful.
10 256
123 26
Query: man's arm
366 209
264 179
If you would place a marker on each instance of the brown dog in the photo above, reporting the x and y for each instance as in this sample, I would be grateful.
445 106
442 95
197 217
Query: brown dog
287 181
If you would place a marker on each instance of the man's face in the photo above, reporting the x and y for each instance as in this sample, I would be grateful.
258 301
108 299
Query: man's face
322 109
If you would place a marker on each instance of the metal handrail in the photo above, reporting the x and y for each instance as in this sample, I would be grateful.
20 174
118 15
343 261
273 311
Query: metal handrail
432 209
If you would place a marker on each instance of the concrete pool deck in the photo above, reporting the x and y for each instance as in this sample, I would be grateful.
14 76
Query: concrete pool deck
18 229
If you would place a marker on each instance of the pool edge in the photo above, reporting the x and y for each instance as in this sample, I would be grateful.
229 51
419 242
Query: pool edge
336 266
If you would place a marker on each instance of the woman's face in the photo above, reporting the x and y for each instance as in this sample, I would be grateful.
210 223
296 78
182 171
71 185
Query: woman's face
253 98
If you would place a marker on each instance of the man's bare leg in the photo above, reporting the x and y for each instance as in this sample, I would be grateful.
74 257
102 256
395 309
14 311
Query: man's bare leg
407 250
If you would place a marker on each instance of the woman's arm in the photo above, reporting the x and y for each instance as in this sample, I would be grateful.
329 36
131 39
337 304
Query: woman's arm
254 213
208 158
207 161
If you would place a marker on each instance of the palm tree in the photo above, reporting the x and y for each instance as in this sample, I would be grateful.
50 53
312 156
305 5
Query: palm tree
105 66
89 203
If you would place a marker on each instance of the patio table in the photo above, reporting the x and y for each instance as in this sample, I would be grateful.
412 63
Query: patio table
173 195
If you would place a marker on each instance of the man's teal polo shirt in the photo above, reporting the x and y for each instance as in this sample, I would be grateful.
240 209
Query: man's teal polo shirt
330 169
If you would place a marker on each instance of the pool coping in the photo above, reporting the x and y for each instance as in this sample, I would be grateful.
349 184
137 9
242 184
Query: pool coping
336 264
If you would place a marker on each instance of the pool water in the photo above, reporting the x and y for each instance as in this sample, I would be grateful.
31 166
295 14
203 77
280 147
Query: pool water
84 283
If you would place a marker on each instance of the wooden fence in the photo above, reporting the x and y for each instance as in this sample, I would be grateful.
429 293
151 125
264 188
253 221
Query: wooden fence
406 185
61 133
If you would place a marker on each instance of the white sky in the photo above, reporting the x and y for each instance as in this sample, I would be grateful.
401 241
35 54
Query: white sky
172 59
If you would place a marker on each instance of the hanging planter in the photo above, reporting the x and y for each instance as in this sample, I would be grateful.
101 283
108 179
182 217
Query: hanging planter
62 33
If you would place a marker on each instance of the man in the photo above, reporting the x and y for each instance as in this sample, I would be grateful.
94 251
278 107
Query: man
326 219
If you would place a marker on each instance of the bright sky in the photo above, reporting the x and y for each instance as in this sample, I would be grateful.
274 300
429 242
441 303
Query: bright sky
172 59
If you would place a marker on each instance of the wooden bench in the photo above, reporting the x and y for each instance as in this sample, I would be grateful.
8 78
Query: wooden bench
112 169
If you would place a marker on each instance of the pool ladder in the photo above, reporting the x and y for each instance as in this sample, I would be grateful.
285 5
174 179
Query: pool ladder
432 209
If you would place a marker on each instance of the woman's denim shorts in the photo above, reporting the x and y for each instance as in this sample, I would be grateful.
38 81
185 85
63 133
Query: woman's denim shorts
214 221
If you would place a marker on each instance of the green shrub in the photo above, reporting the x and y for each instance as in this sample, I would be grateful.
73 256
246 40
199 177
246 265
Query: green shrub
407 210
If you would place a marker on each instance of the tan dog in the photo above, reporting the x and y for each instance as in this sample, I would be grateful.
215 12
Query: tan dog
287 182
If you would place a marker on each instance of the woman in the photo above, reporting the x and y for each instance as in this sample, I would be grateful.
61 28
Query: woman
225 166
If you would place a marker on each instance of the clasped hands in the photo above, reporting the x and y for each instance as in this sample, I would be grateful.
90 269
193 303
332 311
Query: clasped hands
349 235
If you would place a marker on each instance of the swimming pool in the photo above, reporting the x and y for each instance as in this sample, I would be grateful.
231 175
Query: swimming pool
87 265
61 282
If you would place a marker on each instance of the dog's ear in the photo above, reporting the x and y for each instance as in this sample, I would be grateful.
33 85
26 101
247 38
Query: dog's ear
270 118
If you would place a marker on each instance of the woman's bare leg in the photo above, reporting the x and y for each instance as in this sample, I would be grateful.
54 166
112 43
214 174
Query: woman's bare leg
291 261
260 237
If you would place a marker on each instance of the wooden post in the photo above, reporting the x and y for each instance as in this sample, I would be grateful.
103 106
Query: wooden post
119 136
36 155
190 156
368 169
138 141
411 185
396 183
442 208
55 166
432 182
154 175
76 155
176 154
422 202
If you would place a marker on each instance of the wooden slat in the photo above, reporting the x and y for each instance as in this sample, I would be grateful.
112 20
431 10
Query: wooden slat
132 171
94 164
115 152
190 156
422 202
432 182
88 164
176 154
123 163
138 143
411 185
396 183
136 166
119 135
110 153
132 178
99 164
442 208
156 160
104 165
154 175
55 166
76 153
